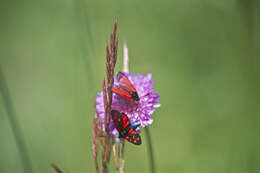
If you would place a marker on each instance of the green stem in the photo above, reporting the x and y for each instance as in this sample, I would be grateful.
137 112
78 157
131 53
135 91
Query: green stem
15 126
150 150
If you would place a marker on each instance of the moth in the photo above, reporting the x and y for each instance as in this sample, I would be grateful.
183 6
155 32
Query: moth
124 127
125 88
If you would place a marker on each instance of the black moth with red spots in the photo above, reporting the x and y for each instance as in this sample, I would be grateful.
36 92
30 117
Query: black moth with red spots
124 127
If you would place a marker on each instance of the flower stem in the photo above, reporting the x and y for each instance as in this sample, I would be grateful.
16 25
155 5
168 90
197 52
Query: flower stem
150 150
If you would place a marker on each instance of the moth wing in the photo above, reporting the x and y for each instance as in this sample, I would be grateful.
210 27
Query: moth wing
125 82
120 91
118 120
126 121
133 137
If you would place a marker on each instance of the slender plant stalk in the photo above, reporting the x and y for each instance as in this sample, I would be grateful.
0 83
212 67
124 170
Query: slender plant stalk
109 148
105 104
15 126
56 168
95 143
126 59
150 150
104 164
121 155
104 140
115 154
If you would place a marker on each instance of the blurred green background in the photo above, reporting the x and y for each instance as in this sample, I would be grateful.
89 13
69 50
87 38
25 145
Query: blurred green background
204 58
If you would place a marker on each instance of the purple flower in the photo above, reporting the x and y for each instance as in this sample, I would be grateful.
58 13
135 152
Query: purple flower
136 111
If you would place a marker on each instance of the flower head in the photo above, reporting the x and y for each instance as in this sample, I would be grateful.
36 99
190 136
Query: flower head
136 111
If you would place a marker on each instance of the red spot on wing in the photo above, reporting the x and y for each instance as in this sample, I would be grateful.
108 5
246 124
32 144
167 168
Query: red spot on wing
134 138
132 131
114 114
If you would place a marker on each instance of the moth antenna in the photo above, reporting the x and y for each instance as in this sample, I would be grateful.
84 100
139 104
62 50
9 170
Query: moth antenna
119 75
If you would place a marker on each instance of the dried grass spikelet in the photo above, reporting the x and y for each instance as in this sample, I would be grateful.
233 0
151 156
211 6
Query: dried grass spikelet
106 143
111 57
111 62
104 140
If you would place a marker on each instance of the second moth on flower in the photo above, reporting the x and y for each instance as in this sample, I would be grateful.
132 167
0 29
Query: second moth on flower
136 112
125 88
125 129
